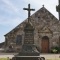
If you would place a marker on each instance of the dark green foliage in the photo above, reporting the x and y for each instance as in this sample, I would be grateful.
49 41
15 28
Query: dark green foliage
55 49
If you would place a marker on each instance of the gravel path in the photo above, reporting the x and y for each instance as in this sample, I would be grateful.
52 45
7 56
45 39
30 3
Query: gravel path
47 56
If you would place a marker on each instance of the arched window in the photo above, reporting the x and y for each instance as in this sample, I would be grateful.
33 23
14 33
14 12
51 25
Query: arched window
59 41
45 38
19 39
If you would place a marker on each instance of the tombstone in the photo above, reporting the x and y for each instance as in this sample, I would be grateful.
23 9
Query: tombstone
29 50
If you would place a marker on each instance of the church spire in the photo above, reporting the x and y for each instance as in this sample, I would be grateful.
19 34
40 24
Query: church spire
58 9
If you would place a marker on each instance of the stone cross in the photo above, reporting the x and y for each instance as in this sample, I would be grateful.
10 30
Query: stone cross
43 5
58 9
29 10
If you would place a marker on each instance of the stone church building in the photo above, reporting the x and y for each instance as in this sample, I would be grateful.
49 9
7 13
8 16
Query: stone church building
46 32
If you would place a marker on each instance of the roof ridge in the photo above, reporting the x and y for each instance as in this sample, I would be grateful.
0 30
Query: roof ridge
41 9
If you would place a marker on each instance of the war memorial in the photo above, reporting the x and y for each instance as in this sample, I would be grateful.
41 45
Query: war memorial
29 50
40 32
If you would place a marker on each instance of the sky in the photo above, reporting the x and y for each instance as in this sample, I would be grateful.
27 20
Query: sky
12 13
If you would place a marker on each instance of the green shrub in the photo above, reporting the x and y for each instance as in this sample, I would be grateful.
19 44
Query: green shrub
55 49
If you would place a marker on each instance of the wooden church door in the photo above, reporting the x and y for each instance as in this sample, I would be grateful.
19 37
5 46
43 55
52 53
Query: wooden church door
45 44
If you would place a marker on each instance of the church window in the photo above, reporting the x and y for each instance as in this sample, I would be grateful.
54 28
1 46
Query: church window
6 41
59 40
19 39
38 17
10 47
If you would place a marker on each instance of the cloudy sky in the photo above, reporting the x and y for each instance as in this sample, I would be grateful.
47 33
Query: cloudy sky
12 13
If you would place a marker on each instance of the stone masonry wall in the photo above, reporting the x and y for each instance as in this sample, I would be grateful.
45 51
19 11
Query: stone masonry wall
43 21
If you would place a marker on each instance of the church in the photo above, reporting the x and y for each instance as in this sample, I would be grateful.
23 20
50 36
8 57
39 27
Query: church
46 32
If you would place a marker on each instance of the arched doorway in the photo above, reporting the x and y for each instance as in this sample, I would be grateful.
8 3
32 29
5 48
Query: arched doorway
45 44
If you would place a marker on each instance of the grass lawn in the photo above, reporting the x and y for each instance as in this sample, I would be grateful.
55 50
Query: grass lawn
4 59
53 59
45 59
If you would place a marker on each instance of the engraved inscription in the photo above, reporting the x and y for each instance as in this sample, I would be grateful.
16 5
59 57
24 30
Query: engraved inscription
29 37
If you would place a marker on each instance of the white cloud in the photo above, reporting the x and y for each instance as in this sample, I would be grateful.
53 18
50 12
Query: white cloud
10 5
11 22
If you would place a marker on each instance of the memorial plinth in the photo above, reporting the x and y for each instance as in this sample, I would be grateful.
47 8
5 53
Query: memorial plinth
27 58
29 50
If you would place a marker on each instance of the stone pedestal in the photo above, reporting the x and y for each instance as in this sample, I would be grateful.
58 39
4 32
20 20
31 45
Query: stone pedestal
27 58
28 53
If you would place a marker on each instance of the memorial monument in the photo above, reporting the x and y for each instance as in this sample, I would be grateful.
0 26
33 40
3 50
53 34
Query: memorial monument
58 9
29 50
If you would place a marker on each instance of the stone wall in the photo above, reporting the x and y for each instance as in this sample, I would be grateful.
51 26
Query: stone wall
45 24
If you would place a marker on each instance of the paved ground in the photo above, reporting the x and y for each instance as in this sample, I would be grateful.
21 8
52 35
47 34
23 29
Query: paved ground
51 56
47 56
5 55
